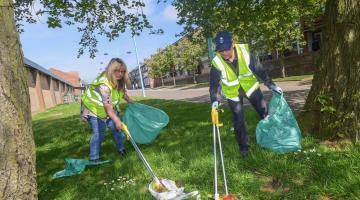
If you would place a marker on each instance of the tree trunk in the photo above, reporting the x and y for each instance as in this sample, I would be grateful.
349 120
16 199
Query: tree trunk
282 63
194 78
174 81
162 81
332 109
17 148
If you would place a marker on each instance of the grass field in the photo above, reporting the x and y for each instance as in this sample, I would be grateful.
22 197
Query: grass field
183 152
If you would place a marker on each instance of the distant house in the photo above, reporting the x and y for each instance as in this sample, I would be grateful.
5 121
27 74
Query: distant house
45 88
134 77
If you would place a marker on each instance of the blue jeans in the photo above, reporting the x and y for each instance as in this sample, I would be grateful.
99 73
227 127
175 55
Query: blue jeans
99 127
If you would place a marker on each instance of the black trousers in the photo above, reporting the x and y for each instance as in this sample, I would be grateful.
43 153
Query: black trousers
257 101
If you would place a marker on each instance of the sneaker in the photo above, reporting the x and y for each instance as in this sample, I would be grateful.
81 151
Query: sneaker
123 153
244 153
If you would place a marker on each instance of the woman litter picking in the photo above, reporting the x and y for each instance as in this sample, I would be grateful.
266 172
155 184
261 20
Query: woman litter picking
100 106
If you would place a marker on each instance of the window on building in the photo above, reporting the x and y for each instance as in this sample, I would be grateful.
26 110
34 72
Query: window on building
31 77
45 82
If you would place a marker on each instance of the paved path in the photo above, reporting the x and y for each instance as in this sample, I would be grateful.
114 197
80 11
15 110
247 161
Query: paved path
295 93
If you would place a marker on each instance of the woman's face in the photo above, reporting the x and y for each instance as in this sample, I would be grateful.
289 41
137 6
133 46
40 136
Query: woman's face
119 73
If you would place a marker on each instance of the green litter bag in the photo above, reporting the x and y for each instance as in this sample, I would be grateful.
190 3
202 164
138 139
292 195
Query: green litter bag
76 166
279 131
144 122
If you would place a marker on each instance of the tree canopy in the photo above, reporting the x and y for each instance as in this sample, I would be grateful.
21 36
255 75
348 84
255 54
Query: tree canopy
91 18
266 24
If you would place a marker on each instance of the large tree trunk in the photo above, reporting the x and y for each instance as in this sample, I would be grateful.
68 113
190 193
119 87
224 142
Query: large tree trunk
332 109
17 148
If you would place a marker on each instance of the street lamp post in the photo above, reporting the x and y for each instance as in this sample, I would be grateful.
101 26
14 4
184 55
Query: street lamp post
137 59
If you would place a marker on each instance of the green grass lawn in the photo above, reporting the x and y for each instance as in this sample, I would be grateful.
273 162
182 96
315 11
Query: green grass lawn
295 78
184 152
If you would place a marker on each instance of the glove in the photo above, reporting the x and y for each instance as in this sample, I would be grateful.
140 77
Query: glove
276 88
215 104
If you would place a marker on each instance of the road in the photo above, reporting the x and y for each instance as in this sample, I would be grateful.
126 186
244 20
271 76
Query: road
295 93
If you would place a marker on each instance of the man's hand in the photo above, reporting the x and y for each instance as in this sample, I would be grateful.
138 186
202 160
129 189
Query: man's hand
215 104
276 88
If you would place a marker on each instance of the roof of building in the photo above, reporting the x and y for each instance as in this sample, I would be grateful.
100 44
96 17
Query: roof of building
34 65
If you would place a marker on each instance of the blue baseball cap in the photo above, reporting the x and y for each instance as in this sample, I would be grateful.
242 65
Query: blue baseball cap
223 41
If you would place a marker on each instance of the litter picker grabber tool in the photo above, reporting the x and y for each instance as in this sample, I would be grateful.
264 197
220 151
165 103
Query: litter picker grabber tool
216 139
163 189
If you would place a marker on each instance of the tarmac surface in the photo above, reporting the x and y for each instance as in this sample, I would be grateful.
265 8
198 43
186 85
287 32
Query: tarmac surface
295 93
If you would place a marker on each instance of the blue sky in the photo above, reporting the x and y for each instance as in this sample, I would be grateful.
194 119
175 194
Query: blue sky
58 48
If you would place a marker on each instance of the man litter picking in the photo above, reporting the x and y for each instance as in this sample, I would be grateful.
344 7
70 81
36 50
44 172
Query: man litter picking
234 72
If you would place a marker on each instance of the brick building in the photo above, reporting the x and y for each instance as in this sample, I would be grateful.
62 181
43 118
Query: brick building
46 89
73 77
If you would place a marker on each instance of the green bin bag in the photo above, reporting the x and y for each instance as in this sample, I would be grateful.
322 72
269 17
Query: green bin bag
76 166
144 122
279 131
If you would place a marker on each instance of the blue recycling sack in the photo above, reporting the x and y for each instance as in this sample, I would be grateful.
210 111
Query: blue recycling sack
279 131
144 122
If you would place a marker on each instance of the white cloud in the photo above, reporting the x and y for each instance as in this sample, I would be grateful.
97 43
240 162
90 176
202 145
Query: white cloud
170 13
149 7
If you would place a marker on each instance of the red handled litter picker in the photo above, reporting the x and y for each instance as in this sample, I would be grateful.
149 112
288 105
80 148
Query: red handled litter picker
216 136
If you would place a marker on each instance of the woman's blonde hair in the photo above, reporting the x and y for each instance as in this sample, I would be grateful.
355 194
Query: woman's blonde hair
117 64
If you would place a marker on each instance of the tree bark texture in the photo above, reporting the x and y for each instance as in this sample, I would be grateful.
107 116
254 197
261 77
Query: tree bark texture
332 108
17 148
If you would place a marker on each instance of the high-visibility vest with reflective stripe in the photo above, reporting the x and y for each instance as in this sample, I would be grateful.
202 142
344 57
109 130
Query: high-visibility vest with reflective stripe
93 101
230 82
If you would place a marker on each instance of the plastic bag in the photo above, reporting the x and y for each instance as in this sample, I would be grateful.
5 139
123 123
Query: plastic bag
76 166
279 131
172 191
144 122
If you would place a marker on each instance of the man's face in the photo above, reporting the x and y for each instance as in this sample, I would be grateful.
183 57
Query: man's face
227 54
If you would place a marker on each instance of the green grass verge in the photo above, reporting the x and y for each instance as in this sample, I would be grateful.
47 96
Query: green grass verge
295 78
183 151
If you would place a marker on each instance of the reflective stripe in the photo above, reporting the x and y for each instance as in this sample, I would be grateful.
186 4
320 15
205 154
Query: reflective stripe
88 94
245 54
97 95
246 75
223 73
252 89
234 99
221 66
232 83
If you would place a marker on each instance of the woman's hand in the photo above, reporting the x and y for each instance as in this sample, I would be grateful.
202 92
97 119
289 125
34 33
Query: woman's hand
118 125
126 96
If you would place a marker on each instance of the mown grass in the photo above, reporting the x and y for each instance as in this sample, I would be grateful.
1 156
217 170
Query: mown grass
295 78
183 152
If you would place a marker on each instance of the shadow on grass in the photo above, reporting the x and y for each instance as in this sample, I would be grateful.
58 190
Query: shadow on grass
183 151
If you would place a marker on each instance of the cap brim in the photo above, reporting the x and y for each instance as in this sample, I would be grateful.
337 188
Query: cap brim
223 47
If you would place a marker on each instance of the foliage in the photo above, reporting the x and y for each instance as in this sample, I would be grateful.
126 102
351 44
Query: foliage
157 68
326 102
185 54
189 51
267 25
183 151
92 18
